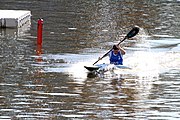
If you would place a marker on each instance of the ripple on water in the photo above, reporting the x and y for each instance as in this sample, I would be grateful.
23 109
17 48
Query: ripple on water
54 83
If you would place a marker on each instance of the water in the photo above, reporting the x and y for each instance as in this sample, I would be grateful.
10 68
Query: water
53 84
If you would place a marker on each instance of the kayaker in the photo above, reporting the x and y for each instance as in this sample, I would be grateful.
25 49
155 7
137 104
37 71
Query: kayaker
115 55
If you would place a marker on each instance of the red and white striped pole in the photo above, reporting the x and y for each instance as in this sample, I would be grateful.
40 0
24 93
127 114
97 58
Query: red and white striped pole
39 31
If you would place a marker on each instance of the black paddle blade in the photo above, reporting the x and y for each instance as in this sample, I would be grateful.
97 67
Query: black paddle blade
133 32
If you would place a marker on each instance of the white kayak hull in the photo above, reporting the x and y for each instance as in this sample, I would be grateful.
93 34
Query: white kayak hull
105 67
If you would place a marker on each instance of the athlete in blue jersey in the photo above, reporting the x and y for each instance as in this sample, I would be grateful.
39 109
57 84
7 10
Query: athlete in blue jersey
115 55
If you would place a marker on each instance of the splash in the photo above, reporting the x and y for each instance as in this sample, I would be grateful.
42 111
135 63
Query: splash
78 71
152 57
144 64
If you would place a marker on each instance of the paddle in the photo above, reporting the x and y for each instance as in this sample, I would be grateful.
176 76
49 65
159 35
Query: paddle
131 34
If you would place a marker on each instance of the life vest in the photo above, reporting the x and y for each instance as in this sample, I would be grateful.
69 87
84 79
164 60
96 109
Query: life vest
116 59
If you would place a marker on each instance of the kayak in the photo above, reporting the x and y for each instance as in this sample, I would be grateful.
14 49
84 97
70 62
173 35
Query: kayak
105 67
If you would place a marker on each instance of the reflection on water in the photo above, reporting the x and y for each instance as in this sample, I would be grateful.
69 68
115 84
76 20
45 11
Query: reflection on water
50 82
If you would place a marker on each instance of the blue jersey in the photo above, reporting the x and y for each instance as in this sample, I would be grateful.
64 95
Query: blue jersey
115 59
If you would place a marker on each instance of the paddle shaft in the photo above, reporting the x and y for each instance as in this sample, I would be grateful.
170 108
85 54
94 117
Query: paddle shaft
109 51
131 34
